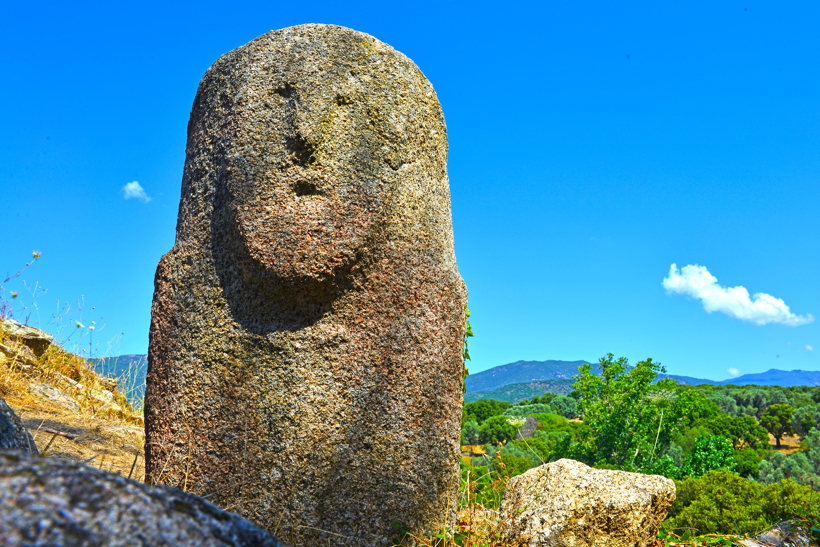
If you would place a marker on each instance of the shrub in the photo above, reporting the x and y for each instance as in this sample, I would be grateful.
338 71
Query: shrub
747 462
496 429
484 408
522 411
710 453
722 502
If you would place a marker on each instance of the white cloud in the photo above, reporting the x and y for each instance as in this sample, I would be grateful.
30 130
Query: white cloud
809 347
762 308
734 372
135 190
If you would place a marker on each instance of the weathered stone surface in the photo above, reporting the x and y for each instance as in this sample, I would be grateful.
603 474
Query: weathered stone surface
55 395
13 434
569 504
305 359
35 339
56 502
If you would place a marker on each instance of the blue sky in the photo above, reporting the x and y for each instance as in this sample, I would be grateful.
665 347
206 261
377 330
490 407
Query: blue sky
592 146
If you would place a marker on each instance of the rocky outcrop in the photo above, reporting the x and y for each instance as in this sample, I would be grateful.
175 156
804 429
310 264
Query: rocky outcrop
569 504
305 359
34 339
55 502
13 435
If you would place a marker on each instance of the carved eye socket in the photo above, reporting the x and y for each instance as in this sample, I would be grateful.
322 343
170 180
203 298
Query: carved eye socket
306 189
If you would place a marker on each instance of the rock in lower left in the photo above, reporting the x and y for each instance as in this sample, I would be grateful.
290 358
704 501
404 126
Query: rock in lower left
56 502
13 435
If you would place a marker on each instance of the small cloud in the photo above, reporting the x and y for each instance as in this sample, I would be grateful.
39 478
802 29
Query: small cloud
734 372
135 190
762 308
809 347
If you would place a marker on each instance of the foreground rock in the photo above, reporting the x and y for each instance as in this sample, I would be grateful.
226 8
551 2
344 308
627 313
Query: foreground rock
13 435
55 502
307 327
569 504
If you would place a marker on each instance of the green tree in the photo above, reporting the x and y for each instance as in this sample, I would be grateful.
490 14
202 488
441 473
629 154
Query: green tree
484 408
496 429
805 419
778 421
470 433
629 419
747 463
740 430
711 453
566 406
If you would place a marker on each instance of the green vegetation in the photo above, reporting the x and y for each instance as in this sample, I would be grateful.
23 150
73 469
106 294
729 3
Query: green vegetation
712 440
778 421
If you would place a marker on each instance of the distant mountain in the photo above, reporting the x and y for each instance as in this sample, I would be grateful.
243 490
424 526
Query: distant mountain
524 371
688 380
130 372
513 393
527 377
774 377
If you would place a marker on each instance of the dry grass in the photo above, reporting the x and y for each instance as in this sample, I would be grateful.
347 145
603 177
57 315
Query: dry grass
789 444
102 429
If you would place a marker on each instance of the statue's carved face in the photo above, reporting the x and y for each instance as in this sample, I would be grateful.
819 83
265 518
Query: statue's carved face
306 175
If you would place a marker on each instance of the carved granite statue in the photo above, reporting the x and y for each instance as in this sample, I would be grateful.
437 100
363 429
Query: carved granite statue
305 363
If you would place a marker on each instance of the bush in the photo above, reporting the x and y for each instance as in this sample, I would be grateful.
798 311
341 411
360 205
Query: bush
496 429
724 502
710 454
566 406
483 409
522 411
801 467
747 462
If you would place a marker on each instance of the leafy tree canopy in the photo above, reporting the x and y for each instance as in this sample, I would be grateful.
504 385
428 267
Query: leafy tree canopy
484 408
778 421
630 420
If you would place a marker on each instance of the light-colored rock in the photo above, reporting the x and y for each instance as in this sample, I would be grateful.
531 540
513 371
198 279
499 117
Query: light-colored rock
35 339
53 394
305 363
569 504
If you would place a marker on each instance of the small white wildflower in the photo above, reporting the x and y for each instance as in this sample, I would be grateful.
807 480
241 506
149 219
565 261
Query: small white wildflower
79 325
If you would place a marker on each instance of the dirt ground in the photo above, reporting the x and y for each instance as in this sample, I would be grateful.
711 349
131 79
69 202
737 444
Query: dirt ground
71 412
109 444
789 444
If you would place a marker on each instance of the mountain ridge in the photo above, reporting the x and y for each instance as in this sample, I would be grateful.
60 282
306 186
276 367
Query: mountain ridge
522 372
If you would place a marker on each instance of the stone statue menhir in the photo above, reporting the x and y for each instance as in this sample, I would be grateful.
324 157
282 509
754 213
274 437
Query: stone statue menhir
305 365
